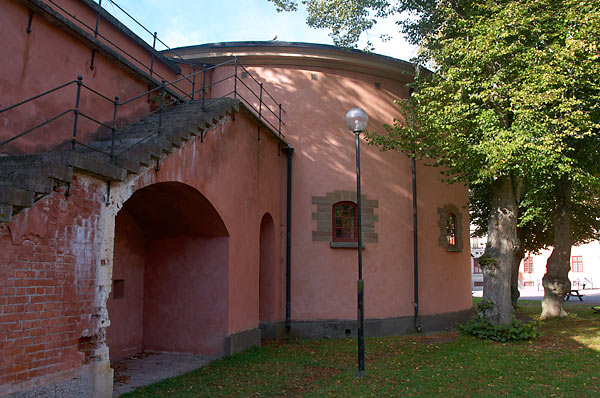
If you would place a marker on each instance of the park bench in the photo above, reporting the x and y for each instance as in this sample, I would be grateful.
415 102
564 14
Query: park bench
573 292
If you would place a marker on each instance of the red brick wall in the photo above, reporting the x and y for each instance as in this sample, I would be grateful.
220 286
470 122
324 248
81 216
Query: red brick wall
48 286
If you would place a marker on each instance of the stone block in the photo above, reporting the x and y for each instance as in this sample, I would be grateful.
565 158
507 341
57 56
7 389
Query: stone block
238 342
318 236
320 200
370 203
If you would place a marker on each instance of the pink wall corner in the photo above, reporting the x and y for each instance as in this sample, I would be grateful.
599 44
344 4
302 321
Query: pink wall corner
124 336
185 307
25 74
444 278
268 278
324 282
241 177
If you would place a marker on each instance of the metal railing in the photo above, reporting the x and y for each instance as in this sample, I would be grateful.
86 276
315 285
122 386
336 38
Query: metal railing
147 67
258 101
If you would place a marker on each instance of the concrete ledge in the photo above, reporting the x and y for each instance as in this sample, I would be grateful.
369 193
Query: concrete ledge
272 330
75 387
89 381
445 321
338 329
238 342
345 245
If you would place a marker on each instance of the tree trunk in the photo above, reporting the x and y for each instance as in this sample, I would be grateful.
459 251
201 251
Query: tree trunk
501 250
556 281
514 280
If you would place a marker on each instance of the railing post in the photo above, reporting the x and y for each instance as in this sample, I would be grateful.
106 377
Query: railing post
193 82
96 33
260 101
162 103
152 59
98 18
279 130
235 79
260 109
114 127
203 86
28 30
76 112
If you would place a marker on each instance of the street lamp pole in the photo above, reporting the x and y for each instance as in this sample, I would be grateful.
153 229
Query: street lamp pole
356 120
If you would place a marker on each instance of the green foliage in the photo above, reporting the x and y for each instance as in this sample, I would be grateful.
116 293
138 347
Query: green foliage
484 305
482 327
486 261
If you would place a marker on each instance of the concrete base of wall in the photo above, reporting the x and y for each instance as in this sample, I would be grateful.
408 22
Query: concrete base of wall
77 387
337 329
94 381
272 330
240 341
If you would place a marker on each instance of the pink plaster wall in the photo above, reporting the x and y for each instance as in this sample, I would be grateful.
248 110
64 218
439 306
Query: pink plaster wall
185 306
171 249
324 282
124 336
48 57
267 278
444 279
241 177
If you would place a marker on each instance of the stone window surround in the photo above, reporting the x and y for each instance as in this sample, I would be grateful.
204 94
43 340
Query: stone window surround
324 217
443 225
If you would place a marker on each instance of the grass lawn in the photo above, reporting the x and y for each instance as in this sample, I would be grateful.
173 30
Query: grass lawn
563 362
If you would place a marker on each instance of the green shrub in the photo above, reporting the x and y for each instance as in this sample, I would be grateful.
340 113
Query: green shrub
483 328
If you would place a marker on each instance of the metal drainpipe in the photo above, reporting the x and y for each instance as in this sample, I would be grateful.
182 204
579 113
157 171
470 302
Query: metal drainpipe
288 242
415 244
416 322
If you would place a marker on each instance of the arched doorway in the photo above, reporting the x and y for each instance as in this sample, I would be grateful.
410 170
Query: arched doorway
171 257
266 285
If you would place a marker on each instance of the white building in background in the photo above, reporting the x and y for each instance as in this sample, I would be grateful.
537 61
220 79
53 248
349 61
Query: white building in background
584 274
477 249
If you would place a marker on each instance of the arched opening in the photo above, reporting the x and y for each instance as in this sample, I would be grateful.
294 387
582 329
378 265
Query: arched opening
266 285
171 256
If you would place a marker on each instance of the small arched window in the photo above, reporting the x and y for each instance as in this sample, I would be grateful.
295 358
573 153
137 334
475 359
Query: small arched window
451 230
345 225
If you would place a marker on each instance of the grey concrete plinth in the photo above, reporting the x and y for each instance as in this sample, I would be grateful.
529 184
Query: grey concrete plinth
143 369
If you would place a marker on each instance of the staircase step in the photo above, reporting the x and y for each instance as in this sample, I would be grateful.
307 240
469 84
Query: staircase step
132 166
26 178
33 180
5 212
97 166
16 196
49 164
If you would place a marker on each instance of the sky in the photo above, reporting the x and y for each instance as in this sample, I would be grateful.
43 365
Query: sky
189 22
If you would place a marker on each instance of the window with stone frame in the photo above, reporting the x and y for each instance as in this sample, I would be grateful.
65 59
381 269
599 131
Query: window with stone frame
346 226
451 230
450 224
344 222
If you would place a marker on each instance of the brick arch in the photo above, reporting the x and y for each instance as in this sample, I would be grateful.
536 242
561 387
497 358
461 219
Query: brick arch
170 270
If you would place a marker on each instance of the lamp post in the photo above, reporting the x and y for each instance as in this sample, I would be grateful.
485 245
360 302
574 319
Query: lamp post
356 120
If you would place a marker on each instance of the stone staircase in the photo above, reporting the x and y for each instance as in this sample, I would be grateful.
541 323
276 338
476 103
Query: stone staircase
24 179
